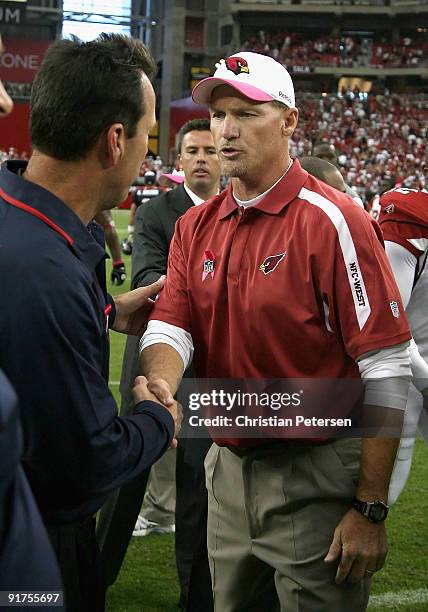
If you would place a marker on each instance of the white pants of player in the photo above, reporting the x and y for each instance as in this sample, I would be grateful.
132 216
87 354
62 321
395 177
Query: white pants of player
414 417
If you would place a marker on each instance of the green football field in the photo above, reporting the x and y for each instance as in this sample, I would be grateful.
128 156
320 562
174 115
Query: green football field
148 579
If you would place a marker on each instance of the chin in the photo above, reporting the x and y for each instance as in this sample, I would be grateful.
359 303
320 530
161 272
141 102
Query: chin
201 183
233 169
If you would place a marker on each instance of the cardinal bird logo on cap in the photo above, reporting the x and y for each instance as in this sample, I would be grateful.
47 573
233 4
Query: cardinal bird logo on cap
271 263
237 65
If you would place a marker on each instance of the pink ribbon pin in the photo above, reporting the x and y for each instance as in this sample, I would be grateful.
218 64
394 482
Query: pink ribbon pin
209 263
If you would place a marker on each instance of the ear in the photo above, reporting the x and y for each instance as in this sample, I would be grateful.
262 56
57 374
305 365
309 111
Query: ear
290 118
179 161
114 144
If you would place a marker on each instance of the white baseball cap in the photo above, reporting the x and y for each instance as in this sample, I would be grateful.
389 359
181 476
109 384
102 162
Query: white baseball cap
256 76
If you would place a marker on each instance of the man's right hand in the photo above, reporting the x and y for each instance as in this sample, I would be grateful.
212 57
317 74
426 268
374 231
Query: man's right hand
161 389
160 394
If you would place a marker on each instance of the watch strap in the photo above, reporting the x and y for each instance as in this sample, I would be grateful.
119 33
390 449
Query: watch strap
370 509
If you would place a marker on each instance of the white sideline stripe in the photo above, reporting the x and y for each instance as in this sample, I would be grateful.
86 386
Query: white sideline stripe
349 253
399 598
114 383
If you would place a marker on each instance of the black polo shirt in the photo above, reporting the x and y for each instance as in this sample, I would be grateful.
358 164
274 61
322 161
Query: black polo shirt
54 348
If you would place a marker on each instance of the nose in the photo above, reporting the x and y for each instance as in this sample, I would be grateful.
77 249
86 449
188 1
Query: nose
201 156
6 104
229 128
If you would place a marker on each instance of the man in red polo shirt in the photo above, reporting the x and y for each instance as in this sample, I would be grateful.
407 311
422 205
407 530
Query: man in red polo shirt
282 277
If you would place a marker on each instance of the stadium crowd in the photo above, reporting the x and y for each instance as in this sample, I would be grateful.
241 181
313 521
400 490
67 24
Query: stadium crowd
295 49
405 54
377 138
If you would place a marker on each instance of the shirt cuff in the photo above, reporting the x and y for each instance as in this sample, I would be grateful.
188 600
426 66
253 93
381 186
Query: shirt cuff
159 413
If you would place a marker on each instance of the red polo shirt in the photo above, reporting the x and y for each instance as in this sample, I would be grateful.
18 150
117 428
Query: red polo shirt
297 286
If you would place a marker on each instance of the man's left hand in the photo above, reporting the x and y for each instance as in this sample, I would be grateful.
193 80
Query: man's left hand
133 308
362 547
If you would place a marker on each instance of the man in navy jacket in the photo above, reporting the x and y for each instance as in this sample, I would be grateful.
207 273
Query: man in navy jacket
89 129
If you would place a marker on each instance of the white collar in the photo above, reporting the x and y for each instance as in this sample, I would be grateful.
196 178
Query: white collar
192 195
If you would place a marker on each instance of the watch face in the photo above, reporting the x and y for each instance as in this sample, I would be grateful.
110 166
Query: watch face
377 512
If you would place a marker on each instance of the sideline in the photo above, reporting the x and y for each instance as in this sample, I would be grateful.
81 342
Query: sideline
398 598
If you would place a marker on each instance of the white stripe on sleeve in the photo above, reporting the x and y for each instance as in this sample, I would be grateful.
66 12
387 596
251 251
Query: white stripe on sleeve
355 277
159 332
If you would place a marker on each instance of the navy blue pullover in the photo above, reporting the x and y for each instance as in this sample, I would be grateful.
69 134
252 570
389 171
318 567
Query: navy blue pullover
54 348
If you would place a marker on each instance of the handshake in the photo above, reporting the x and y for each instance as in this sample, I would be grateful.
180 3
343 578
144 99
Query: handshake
158 391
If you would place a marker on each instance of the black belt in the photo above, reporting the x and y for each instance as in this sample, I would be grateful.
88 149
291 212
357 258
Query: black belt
275 446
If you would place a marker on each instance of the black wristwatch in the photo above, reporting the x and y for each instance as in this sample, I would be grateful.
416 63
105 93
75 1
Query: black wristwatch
375 511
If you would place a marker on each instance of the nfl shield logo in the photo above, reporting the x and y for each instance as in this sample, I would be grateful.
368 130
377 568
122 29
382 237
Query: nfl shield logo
394 309
208 265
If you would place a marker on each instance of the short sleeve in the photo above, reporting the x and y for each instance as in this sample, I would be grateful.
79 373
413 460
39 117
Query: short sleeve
412 236
172 305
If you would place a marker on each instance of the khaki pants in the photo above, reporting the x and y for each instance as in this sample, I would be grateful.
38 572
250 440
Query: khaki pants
159 501
271 518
